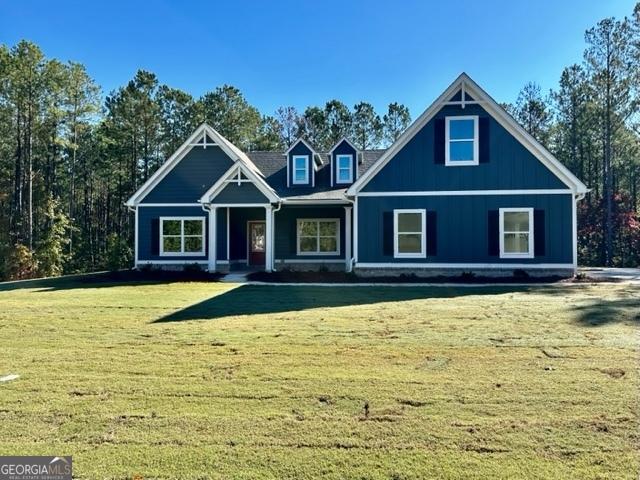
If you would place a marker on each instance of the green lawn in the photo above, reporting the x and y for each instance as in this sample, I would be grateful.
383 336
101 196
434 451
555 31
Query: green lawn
204 380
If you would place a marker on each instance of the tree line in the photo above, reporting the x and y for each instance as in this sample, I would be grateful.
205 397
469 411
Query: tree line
69 158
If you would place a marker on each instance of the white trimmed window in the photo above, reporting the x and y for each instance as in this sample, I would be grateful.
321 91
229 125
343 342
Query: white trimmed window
461 146
516 233
300 169
409 233
344 166
181 236
318 236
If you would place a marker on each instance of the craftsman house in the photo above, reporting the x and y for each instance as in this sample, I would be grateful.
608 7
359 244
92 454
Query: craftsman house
464 188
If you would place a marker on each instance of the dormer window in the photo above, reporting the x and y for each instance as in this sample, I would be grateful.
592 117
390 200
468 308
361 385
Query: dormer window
461 135
300 169
344 165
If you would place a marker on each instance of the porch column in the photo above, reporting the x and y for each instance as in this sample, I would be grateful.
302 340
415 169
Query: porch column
347 238
268 253
212 239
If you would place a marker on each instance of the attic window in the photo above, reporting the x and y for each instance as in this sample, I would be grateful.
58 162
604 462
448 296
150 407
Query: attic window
300 169
344 165
461 135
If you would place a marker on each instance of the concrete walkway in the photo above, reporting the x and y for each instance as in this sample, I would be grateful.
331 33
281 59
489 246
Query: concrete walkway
235 277
603 273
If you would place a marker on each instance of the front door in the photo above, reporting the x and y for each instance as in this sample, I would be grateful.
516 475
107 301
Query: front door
257 243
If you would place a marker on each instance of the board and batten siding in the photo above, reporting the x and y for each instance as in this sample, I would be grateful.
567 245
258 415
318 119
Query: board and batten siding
508 166
462 227
148 232
286 231
191 177
246 192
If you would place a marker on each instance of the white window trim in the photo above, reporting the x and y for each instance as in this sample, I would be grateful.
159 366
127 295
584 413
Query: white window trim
306 169
476 140
423 243
338 157
530 253
181 253
334 220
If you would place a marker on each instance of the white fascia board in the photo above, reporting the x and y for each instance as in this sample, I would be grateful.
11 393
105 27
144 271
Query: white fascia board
222 182
497 112
165 168
343 139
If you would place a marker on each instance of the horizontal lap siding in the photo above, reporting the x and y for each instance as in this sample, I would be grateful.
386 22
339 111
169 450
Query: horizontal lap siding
510 167
462 227
285 231
145 217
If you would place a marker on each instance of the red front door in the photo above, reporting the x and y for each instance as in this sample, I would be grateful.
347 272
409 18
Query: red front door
257 242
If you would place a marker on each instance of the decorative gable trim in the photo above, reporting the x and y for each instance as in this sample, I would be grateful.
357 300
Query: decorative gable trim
466 84
204 136
235 175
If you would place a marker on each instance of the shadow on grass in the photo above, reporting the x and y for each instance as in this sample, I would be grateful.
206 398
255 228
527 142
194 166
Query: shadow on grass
124 278
624 308
263 299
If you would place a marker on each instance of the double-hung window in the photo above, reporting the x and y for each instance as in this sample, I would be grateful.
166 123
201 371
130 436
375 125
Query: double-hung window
318 236
344 166
409 239
300 169
516 233
182 236
461 146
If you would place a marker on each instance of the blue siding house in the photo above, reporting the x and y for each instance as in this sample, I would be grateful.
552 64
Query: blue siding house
463 189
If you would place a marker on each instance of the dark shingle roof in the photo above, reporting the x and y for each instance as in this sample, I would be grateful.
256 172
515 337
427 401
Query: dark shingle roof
273 166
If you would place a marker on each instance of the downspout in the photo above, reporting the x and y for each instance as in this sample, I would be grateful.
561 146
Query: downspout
352 259
273 236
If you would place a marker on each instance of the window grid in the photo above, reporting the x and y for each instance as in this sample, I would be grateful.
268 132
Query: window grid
317 236
182 236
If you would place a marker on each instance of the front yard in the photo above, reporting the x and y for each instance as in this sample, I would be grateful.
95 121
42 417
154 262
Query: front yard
204 380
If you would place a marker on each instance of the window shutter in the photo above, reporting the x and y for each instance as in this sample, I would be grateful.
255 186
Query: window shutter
483 133
432 234
493 233
155 236
438 141
293 238
387 234
539 235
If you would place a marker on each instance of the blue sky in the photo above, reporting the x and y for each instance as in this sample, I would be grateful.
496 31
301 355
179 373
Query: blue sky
307 52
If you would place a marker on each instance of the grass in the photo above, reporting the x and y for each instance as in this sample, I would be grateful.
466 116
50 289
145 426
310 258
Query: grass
204 380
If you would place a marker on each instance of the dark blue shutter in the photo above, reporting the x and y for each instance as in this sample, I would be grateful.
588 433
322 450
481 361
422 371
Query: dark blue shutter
493 233
432 234
438 141
483 133
539 245
387 233
155 236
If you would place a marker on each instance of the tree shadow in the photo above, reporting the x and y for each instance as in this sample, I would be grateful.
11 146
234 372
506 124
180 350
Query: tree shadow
124 278
624 308
264 299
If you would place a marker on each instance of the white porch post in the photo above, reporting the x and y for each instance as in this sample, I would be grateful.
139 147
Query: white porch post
212 239
347 238
355 232
268 261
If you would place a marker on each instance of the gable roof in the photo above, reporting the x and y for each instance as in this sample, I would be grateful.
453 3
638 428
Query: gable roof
343 139
198 138
251 176
466 84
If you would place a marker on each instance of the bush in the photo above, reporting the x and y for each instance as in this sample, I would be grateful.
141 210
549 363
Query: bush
119 253
20 263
